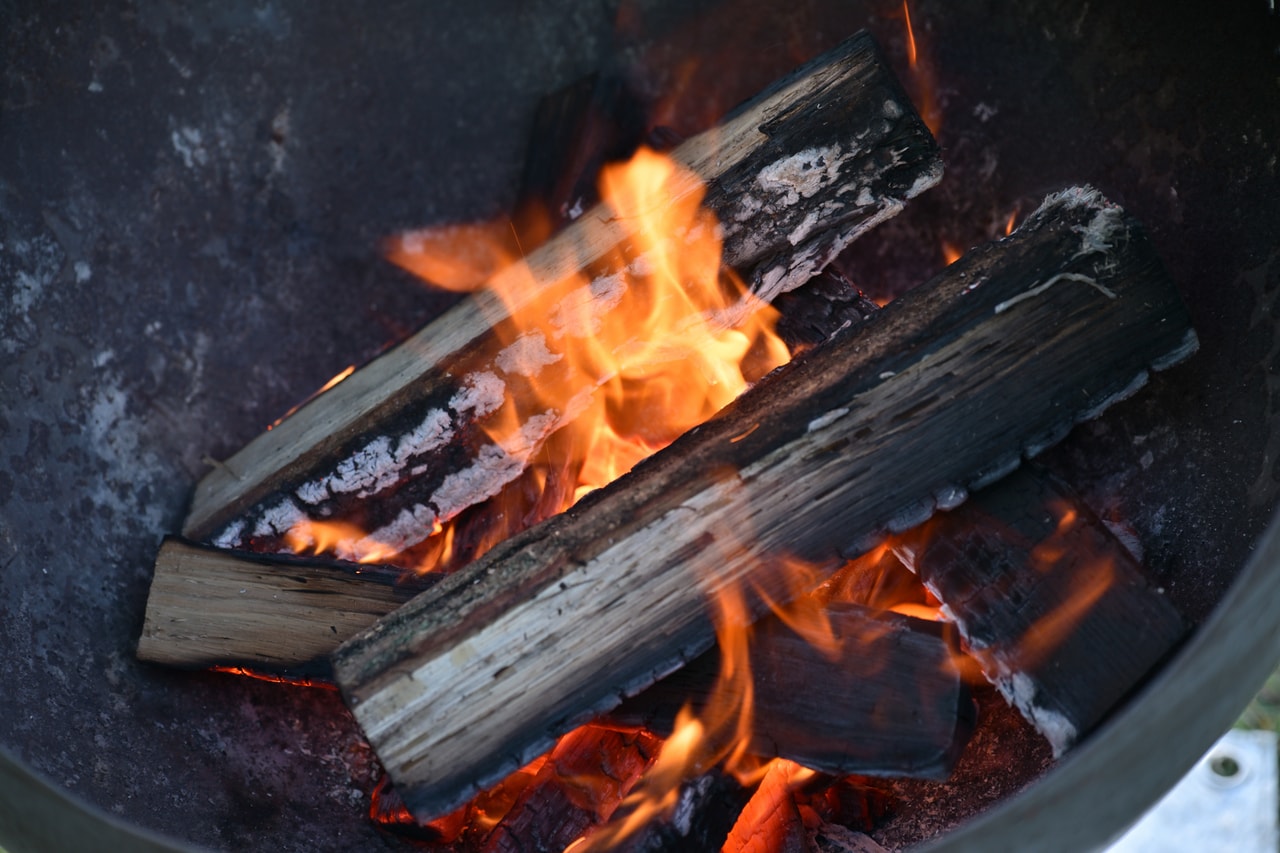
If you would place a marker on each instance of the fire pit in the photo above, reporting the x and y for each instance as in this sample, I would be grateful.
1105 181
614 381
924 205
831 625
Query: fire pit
186 261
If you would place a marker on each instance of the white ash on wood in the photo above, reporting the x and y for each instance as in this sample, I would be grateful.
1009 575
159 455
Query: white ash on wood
399 446
941 392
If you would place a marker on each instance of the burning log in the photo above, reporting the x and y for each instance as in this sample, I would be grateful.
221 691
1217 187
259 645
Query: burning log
883 696
1056 611
877 694
405 442
792 810
214 607
939 393
279 614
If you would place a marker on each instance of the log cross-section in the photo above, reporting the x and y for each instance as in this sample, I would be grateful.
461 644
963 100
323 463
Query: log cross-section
941 392
793 176
276 614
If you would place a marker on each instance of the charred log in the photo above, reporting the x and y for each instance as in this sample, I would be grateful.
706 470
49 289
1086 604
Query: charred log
197 614
941 392
582 782
1054 608
879 694
705 809
826 304
401 445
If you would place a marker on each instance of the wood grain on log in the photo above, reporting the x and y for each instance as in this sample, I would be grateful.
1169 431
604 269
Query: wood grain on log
794 175
941 392
277 614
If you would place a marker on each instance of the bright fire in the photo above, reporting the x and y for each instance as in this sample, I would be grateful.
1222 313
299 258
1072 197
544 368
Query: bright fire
617 360
640 350
718 734
923 84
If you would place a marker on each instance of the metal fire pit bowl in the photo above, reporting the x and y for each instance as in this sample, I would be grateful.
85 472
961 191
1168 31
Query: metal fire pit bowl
192 198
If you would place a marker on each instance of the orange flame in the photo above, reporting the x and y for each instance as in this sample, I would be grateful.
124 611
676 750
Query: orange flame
616 360
924 86
1010 222
1092 574
338 377
347 541
722 733
911 36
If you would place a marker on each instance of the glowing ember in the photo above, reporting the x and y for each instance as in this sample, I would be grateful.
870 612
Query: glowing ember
296 681
719 735
770 818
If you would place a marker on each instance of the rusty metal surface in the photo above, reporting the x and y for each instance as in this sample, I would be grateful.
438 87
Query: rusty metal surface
191 201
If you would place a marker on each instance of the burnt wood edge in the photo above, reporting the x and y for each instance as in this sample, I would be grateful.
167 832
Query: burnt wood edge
903 325
1164 728
981 562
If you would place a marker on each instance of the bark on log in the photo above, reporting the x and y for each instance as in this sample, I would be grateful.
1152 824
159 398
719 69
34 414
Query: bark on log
884 698
1056 611
278 614
941 392
794 175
